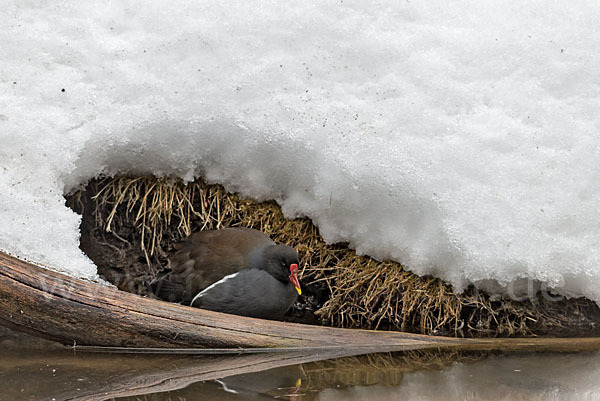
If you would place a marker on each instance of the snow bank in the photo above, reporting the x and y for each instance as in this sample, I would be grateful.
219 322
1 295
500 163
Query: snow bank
461 141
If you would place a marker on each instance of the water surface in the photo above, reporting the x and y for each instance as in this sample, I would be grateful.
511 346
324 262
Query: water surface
35 370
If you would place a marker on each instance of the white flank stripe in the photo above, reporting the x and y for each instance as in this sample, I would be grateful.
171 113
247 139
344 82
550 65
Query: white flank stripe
212 286
225 386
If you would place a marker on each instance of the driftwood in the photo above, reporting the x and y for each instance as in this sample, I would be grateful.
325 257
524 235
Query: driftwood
77 312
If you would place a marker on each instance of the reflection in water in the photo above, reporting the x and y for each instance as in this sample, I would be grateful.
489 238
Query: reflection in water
31 370
510 377
305 381
527 377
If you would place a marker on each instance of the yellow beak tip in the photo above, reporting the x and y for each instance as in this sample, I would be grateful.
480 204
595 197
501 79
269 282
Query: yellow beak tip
299 291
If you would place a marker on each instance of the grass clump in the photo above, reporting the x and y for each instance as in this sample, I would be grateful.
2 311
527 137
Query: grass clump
131 223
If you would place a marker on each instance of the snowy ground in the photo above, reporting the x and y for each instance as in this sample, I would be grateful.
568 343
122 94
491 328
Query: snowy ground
461 139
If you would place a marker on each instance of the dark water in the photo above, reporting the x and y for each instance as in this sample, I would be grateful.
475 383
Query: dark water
33 370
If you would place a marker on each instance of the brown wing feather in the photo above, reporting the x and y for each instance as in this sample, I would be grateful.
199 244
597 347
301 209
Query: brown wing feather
207 257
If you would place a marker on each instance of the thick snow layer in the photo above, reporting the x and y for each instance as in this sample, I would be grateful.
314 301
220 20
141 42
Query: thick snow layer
459 139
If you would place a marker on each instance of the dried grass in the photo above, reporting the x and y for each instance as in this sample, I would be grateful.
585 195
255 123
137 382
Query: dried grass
363 292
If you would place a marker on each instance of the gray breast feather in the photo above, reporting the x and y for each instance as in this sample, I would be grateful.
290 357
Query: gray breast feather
250 292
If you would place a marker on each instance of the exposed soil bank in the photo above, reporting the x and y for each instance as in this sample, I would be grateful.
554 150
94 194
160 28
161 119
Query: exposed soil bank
130 226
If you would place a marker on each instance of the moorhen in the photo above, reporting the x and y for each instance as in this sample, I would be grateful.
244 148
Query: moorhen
233 270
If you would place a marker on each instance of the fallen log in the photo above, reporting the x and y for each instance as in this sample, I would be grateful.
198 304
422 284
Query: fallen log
71 311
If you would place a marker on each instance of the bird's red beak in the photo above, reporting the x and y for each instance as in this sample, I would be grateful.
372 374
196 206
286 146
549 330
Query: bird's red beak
294 277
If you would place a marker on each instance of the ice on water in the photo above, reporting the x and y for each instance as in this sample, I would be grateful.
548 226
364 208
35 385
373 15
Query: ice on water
461 140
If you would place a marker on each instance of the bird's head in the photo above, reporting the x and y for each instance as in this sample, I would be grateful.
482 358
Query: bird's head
281 261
